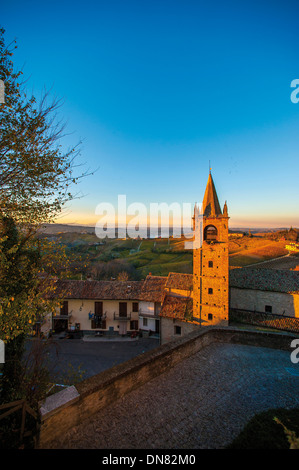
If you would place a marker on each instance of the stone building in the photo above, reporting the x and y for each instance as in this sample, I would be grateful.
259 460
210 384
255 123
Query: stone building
201 298
265 290
150 302
214 290
210 260
177 308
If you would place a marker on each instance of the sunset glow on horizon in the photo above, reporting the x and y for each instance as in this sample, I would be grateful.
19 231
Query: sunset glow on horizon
160 91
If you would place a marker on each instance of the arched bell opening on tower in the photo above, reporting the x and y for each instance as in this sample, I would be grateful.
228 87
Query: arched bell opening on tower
210 233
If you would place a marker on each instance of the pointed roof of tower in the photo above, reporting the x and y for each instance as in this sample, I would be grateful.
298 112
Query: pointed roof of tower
210 204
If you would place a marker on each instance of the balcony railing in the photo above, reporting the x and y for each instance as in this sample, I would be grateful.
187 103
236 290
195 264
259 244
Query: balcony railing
119 317
62 316
92 316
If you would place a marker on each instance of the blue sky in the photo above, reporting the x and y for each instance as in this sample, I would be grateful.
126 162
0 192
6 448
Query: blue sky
157 89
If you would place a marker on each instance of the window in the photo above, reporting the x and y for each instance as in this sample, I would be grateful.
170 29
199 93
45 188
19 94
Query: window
210 290
135 307
98 308
210 233
177 330
210 316
268 308
157 308
144 321
210 264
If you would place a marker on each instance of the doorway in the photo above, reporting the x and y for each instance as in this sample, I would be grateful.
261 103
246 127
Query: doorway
60 325
123 328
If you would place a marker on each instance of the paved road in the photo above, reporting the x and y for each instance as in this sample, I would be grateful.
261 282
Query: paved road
283 262
72 359
201 403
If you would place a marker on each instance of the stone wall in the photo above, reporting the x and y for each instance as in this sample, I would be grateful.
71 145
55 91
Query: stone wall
72 406
211 275
168 330
251 299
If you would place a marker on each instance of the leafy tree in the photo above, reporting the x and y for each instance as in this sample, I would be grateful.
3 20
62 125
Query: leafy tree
35 180
35 174
27 294
19 265
29 268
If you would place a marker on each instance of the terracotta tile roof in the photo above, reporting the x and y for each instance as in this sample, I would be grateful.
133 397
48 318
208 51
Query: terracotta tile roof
153 289
180 281
276 280
177 307
102 290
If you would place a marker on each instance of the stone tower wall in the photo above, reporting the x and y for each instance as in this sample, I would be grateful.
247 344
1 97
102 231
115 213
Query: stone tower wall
211 282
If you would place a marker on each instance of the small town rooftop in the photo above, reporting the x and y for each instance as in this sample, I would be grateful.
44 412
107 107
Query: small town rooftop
275 280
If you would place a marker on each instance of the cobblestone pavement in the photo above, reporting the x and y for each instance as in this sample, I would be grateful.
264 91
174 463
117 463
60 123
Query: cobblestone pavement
201 403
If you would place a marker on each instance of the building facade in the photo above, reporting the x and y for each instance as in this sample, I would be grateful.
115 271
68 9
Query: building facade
99 307
107 307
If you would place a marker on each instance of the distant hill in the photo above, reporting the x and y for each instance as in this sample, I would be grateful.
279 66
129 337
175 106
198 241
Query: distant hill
257 230
107 258
53 229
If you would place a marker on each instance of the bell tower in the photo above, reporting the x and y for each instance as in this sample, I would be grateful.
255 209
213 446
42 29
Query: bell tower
210 260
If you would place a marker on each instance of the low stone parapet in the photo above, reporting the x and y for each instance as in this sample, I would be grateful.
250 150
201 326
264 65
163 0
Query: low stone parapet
72 406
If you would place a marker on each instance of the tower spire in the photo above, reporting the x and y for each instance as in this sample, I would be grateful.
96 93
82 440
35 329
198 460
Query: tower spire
225 209
210 205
